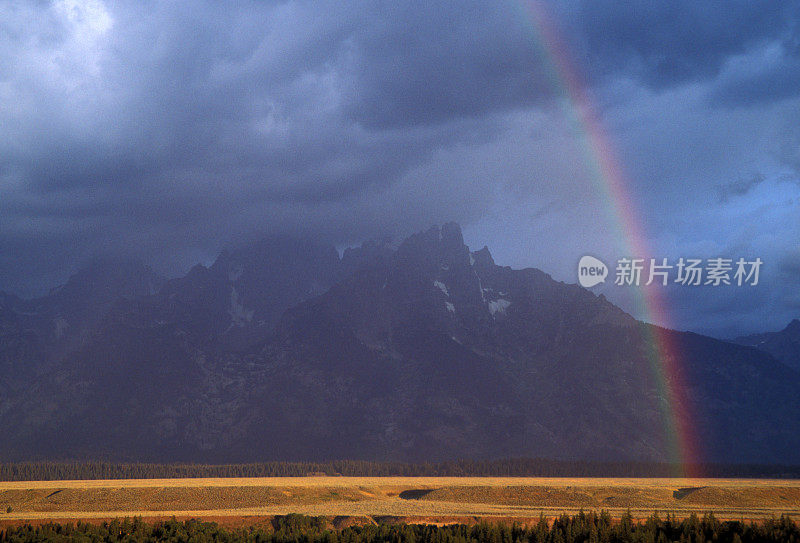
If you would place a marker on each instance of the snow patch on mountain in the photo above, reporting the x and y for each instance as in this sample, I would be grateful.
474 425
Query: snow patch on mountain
498 306
480 286
239 315
60 326
441 286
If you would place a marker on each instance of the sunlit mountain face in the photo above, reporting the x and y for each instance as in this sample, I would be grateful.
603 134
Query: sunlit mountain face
221 223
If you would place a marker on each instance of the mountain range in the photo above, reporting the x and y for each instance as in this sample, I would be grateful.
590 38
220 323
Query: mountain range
419 351
784 345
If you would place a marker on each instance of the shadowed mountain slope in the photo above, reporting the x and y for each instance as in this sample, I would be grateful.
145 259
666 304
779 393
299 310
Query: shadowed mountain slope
422 352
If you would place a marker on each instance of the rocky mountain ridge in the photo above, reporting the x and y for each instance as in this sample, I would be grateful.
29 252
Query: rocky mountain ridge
423 351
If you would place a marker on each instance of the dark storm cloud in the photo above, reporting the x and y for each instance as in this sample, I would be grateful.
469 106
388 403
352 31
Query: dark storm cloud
761 80
166 130
460 59
668 43
152 126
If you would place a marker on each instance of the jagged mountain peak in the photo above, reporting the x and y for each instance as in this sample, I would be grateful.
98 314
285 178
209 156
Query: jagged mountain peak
433 282
104 280
238 300
451 235
482 259
370 254
276 252
793 327
783 345
436 250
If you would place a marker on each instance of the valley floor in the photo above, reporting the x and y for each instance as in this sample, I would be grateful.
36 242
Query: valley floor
233 501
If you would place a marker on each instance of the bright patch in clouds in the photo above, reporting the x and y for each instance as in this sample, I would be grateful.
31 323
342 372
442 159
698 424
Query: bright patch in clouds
88 23
89 19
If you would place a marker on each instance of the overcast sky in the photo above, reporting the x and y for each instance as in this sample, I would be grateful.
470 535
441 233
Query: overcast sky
166 130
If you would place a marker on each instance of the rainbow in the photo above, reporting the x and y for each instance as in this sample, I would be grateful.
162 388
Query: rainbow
665 357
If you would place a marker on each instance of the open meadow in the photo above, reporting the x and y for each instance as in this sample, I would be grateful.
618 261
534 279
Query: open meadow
239 501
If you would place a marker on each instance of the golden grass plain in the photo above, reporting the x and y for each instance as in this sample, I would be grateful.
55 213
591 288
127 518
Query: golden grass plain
429 499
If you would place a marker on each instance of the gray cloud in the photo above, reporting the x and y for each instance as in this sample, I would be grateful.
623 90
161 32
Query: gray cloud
740 187
165 131
669 43
462 59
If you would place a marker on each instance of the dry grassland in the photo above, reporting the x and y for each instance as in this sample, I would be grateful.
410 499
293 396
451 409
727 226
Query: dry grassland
397 498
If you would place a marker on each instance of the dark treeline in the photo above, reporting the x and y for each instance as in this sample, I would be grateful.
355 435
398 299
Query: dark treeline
523 467
589 528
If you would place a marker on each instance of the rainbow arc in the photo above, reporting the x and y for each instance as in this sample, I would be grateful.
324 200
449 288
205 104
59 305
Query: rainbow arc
608 176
